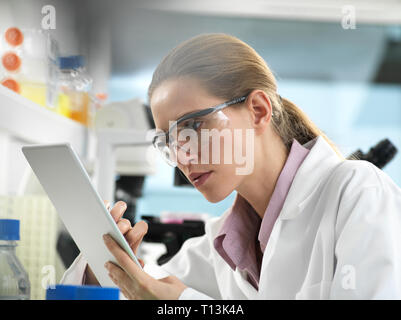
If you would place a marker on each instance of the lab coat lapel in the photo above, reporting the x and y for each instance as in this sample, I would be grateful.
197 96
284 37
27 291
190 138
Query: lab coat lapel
320 161
247 289
269 251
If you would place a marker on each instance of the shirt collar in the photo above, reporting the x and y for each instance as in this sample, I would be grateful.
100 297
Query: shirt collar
297 155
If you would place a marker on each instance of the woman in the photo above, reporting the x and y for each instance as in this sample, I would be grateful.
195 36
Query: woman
305 224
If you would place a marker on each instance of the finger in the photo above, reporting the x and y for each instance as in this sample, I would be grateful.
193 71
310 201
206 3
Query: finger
127 294
141 262
124 225
121 282
118 210
130 287
135 235
125 261
107 204
118 275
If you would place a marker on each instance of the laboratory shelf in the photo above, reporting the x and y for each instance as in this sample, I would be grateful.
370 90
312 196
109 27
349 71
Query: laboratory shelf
26 121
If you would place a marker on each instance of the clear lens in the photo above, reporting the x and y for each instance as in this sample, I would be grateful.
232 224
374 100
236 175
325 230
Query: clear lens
161 146
191 138
168 156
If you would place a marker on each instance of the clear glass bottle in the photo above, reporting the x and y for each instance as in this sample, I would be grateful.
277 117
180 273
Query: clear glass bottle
14 280
74 87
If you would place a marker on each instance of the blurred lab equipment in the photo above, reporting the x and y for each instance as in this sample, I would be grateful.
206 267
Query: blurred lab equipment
36 251
123 159
380 154
74 84
29 64
24 122
124 152
14 284
70 292
180 179
172 233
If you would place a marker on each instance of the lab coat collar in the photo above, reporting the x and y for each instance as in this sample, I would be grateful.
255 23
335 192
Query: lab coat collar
321 160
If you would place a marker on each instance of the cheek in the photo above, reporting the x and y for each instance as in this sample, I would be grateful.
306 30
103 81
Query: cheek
228 149
222 184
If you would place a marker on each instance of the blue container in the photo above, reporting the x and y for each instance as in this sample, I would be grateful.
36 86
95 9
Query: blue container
97 293
61 292
71 62
9 229
69 292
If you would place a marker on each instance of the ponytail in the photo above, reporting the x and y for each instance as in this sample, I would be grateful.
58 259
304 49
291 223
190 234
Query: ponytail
291 123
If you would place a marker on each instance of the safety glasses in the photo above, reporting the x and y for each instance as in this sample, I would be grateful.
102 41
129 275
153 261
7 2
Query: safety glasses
168 144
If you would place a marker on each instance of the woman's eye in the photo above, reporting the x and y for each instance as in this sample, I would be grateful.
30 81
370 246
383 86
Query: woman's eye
192 124
196 124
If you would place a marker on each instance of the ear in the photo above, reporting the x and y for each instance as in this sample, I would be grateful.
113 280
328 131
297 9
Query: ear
260 108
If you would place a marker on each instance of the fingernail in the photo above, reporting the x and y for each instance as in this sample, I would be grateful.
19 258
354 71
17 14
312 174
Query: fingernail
106 237
107 265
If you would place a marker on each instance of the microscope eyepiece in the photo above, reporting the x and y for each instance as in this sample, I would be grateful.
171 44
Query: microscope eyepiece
380 154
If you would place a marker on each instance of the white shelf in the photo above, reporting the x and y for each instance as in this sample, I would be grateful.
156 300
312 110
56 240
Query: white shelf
24 120
29 123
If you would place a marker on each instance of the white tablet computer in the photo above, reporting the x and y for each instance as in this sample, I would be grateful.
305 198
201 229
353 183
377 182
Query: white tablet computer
79 206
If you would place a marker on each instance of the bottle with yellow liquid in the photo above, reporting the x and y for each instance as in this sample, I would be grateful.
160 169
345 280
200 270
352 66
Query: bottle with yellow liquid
28 64
74 84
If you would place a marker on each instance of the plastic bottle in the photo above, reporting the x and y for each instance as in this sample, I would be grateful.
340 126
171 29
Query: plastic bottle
14 280
25 62
74 86
71 292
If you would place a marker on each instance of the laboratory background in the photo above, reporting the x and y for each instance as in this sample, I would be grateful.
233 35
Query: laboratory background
78 72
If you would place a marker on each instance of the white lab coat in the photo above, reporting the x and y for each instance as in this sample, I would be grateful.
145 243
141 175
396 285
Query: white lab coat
338 236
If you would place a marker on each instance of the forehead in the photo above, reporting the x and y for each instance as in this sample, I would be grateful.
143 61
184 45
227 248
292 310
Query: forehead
176 97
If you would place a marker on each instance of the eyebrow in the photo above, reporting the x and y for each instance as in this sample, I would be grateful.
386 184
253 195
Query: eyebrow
184 114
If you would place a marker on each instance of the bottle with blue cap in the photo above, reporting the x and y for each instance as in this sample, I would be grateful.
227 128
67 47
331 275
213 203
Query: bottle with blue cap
14 280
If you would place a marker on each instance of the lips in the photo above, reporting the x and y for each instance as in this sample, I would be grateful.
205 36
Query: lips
198 178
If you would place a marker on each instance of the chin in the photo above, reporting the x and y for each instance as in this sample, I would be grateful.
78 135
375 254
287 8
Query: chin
215 197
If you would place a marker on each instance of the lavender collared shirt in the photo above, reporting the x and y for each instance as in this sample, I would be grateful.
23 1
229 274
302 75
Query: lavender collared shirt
243 236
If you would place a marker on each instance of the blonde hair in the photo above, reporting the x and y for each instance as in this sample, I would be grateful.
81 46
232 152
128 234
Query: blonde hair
228 68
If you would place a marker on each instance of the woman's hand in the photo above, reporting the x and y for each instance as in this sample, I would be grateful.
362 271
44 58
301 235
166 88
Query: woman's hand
135 283
133 235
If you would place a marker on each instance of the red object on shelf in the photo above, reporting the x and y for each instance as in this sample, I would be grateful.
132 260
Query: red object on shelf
14 36
11 84
11 61
101 96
